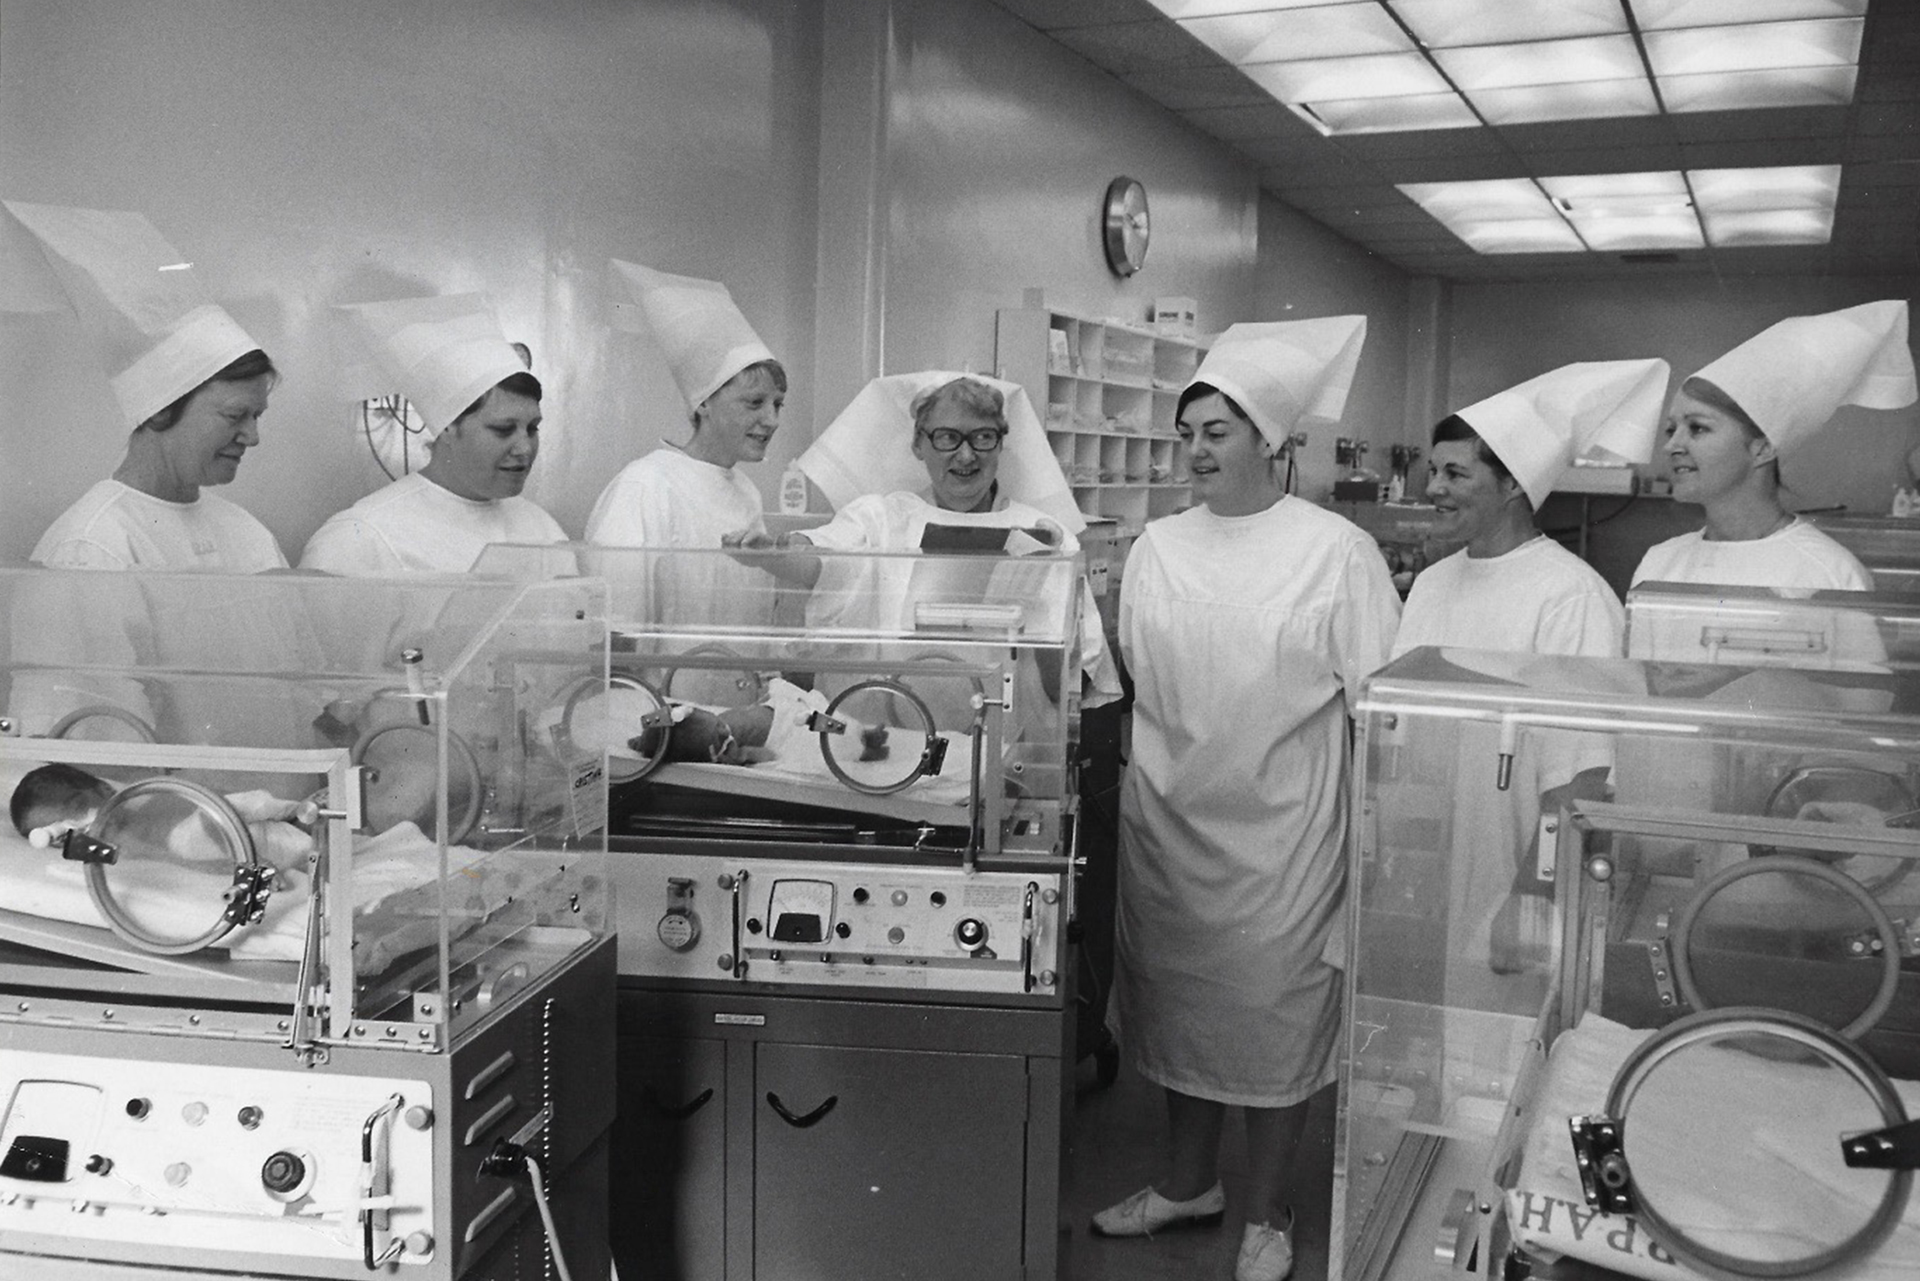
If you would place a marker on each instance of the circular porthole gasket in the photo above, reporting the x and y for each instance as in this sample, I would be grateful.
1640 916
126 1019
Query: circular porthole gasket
177 847
402 764
1873 916
630 702
855 732
1844 794
1773 1052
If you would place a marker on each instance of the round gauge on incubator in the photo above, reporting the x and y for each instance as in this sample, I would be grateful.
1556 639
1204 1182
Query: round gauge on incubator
1741 1145
1788 933
878 737
171 866
1855 797
403 772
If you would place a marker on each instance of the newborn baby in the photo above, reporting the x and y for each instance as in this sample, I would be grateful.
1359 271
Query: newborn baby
750 734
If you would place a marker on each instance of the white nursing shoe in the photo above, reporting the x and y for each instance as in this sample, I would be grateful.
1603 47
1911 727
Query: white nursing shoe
1266 1253
1147 1212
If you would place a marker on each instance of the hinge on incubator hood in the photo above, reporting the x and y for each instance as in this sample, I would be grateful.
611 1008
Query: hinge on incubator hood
1604 1175
1895 1148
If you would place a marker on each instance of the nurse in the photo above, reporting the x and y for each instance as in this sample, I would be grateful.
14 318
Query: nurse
1729 424
935 451
190 384
1512 588
689 496
1492 465
448 357
1247 622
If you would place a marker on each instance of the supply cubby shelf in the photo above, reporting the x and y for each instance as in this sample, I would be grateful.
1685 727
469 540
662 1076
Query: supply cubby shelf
1107 393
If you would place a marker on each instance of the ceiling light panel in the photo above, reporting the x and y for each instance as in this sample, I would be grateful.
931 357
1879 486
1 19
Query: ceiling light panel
1758 47
1536 103
1528 236
1379 76
1658 190
1656 15
1326 31
1210 8
1612 232
1745 90
1548 62
1445 24
1386 115
1775 187
1487 199
1769 227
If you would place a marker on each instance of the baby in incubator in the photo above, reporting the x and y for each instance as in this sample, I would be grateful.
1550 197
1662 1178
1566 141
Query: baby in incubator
53 800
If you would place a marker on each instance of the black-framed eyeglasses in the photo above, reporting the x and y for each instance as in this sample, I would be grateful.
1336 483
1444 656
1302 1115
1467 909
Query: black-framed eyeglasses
947 439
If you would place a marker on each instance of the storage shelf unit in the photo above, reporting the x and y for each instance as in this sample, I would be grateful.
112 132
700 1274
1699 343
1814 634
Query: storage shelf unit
1106 393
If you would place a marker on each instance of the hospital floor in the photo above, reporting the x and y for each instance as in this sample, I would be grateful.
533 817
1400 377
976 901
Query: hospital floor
1114 1143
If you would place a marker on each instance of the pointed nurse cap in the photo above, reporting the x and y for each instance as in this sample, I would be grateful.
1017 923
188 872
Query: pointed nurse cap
868 449
1538 428
1792 377
705 338
441 353
157 332
1286 372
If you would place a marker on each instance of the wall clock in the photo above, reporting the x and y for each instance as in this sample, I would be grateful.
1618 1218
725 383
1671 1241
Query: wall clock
1127 224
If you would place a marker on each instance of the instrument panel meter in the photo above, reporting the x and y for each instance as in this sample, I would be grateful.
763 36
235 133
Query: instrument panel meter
801 911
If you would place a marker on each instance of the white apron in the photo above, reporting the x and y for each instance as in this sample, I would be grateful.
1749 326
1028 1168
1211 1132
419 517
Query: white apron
1245 636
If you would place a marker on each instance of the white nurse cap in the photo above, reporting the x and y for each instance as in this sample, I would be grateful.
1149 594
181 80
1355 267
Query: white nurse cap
1793 376
1286 372
1538 428
442 353
158 334
705 338
868 449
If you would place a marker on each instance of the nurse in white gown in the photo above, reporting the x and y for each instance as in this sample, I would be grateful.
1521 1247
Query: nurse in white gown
191 386
1729 425
697 494
946 450
1512 588
447 356
1248 623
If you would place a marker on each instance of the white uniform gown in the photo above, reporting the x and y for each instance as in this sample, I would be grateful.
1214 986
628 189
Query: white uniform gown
1538 598
1246 636
668 500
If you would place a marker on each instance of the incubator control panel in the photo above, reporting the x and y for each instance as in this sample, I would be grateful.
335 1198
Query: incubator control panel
213 1158
840 924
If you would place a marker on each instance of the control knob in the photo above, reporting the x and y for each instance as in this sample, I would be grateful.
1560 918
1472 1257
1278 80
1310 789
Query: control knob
285 1175
971 933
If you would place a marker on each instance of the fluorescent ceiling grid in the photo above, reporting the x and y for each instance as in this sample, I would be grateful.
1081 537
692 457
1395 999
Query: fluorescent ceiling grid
1341 64
1784 205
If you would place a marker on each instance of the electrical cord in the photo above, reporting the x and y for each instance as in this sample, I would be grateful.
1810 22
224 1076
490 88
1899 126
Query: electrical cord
546 1216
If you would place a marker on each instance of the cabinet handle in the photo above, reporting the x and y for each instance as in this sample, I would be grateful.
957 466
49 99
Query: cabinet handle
801 1122
682 1112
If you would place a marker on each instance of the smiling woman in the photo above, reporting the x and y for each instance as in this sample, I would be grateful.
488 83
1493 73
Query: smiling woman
191 384
448 357
1730 422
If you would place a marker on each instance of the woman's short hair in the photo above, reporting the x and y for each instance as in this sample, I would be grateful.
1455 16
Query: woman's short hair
1199 391
250 365
1454 427
771 367
520 384
969 395
1711 396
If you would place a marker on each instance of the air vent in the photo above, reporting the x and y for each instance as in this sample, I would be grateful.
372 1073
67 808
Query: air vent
1660 256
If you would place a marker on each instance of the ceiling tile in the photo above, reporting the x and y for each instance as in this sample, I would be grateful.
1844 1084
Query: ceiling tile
1126 47
1332 170
1266 120
1902 118
1191 88
1048 15
1886 173
1897 146
1450 169
1380 197
1274 153
1745 155
1439 142
1779 122
1577 134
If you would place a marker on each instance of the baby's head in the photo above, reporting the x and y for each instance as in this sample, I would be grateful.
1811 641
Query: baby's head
56 796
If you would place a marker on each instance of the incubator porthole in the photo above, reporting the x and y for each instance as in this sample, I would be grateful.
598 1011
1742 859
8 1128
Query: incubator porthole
169 859
1764 1099
402 771
1791 933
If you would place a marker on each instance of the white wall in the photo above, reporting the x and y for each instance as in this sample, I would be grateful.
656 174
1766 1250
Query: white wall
872 178
306 154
